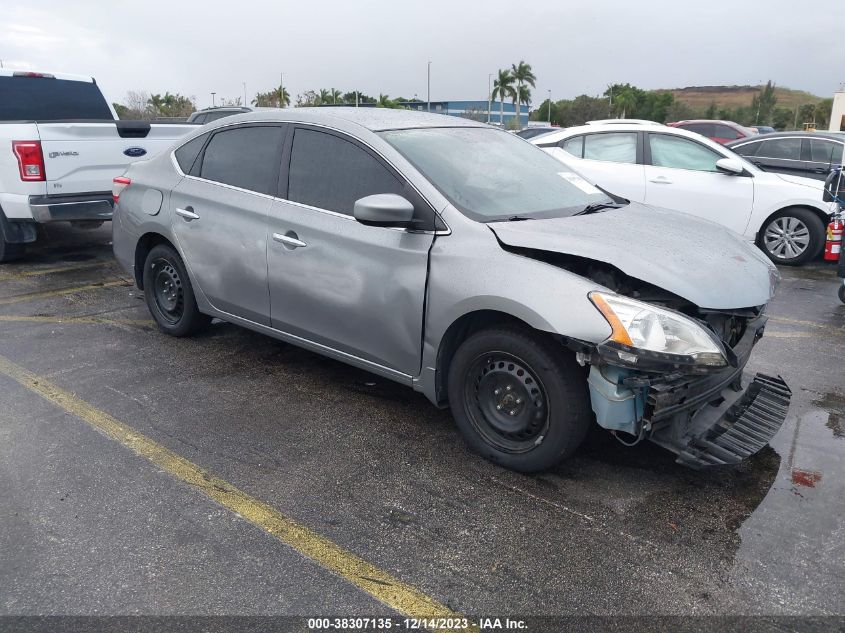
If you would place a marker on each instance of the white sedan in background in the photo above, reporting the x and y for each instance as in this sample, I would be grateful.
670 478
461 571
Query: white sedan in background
672 168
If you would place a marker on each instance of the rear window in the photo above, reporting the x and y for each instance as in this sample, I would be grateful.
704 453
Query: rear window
245 157
44 99
186 155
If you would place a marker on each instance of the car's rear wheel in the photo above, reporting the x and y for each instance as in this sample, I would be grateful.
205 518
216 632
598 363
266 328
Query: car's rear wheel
169 294
517 400
792 236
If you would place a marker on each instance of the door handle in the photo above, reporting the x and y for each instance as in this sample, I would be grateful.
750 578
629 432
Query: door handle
661 180
291 240
188 214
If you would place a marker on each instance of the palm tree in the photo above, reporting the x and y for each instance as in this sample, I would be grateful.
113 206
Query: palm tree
524 77
325 96
626 101
335 95
270 99
503 87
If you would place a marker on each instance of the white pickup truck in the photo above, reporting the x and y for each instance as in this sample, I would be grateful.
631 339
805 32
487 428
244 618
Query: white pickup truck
60 147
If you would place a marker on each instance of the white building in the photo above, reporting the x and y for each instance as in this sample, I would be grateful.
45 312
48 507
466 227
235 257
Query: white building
837 114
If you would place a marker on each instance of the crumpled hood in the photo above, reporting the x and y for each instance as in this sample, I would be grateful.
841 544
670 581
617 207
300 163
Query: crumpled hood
698 260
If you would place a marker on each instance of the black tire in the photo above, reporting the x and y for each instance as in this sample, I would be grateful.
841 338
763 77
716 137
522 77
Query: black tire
792 236
842 293
169 294
517 399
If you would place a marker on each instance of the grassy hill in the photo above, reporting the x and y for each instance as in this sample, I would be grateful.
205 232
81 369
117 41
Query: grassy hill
700 97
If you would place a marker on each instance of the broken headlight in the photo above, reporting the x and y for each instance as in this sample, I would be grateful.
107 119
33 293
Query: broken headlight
644 334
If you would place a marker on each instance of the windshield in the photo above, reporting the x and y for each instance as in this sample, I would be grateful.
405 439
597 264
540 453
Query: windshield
491 175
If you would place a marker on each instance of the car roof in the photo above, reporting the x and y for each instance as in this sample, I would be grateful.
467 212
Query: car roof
592 128
374 119
18 72
832 136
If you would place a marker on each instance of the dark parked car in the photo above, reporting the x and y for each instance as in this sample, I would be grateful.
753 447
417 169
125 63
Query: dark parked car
720 131
807 154
532 132
764 129
201 117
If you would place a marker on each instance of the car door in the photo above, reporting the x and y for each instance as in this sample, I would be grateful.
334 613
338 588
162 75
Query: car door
781 155
353 288
606 159
220 217
681 174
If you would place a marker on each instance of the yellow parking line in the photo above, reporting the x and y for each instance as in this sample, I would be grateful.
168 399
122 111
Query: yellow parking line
379 584
49 271
61 291
9 318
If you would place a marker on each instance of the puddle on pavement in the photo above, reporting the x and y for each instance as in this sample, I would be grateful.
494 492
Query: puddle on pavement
834 405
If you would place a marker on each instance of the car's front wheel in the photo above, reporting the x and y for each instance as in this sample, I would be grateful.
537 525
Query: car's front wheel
169 294
518 399
792 236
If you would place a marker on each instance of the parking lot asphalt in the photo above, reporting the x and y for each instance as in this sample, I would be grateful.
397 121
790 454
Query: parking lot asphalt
92 524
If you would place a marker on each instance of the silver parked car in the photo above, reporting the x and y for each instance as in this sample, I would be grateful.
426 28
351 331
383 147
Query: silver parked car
467 264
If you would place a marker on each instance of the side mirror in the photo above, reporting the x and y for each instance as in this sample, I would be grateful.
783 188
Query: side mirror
384 209
730 166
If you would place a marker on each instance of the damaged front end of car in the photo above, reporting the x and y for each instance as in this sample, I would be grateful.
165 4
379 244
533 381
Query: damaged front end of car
676 378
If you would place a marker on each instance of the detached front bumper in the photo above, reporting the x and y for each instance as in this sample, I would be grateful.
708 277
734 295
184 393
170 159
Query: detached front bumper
730 429
85 207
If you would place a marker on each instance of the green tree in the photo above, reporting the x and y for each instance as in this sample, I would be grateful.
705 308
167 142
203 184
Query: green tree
710 113
524 76
270 99
335 95
782 118
121 110
385 101
502 89
763 104
626 101
325 96
170 105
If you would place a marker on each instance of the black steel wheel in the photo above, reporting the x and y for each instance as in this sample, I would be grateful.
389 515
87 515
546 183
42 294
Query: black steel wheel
518 398
169 294
511 407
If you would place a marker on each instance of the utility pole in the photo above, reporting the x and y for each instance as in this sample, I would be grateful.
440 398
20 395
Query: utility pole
282 90
245 93
212 99
489 95
550 108
428 99
356 98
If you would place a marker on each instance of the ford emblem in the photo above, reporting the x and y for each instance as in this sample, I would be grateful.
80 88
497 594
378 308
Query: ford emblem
134 152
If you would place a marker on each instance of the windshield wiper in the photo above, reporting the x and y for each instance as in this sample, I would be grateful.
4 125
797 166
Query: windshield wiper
518 218
598 206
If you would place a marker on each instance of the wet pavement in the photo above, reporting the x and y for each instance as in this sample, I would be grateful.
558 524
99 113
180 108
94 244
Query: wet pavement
87 526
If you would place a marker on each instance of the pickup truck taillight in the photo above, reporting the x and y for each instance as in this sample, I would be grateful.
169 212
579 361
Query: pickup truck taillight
118 185
30 160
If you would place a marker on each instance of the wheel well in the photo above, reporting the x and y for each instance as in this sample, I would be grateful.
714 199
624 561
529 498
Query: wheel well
457 333
821 215
142 249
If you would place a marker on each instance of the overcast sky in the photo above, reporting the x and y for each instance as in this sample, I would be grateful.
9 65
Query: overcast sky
575 47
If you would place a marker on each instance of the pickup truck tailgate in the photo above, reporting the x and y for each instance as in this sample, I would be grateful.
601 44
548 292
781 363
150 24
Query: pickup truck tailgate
85 157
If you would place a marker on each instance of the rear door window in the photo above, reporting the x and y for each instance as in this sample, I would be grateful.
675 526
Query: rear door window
727 132
614 147
822 151
329 172
681 153
245 157
705 129
782 148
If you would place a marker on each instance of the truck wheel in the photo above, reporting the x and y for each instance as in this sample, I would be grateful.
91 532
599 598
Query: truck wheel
792 236
169 295
842 293
517 400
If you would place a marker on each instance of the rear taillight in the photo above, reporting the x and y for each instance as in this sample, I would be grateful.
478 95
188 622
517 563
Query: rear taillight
118 185
30 160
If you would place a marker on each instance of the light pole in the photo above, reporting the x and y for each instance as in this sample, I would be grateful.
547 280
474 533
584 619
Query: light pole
281 90
489 95
550 108
244 93
212 99
428 98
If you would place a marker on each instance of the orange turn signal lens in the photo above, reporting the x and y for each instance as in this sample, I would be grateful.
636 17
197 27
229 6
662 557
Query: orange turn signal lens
619 334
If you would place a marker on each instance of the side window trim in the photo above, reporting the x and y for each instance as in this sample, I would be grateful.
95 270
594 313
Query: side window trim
197 168
433 218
